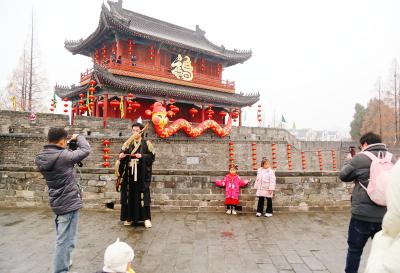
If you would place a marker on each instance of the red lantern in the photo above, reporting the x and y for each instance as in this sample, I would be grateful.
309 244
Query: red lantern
222 114
73 110
210 113
65 105
106 164
92 82
171 101
193 111
91 97
65 99
91 89
51 109
52 105
65 110
170 114
81 101
148 112
91 104
106 156
135 105
114 103
129 108
106 142
174 109
100 103
81 95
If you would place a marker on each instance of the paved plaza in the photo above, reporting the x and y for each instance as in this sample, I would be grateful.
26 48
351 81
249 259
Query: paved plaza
183 242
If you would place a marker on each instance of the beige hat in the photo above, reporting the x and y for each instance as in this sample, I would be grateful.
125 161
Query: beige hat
117 256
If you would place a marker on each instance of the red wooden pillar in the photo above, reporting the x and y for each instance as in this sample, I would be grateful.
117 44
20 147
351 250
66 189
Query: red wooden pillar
105 110
96 106
203 112
240 117
72 113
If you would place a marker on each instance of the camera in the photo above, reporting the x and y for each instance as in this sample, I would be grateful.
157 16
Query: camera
73 145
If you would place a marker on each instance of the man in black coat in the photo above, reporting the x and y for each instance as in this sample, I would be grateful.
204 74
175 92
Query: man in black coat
56 163
366 216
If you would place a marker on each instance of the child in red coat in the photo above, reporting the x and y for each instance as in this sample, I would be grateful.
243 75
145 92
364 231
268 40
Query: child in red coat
232 184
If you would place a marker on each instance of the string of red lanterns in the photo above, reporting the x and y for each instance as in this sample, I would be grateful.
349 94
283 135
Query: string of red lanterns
106 150
321 164
231 153
303 161
274 162
65 105
333 159
254 155
289 157
259 115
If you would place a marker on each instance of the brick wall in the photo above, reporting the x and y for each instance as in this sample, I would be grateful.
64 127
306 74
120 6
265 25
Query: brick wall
20 140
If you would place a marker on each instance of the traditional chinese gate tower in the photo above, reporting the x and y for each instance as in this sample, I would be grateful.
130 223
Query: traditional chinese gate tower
139 60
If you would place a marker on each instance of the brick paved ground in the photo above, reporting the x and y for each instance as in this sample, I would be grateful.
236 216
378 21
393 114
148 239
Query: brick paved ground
183 242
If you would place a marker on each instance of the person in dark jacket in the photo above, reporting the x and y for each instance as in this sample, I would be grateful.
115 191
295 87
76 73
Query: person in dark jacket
366 216
56 163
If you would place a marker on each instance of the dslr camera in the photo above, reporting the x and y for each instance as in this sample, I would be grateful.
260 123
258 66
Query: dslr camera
73 145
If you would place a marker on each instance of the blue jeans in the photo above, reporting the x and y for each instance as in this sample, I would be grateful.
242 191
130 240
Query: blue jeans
66 226
359 233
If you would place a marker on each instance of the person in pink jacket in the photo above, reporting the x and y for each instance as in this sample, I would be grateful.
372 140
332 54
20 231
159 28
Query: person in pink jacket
232 184
265 186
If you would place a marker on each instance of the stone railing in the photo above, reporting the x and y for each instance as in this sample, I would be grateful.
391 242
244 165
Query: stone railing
181 190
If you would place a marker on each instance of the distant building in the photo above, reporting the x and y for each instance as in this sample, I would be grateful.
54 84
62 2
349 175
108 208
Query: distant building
316 135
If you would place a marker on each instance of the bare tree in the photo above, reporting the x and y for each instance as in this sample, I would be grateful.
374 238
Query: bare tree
28 83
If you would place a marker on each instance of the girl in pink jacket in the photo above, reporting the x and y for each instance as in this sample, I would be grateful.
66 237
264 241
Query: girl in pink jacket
265 186
232 184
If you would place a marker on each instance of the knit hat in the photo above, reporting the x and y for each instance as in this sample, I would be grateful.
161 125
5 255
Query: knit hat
117 256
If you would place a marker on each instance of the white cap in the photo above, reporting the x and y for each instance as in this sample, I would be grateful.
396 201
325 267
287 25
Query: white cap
117 256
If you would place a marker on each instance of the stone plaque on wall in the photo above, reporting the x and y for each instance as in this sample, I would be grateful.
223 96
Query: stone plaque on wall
192 160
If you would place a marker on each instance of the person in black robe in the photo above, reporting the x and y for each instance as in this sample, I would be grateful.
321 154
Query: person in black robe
134 167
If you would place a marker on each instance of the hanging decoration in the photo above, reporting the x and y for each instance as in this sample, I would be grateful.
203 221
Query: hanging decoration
289 157
82 106
259 119
231 153
274 162
106 150
182 68
254 155
114 104
160 118
193 111
65 105
333 159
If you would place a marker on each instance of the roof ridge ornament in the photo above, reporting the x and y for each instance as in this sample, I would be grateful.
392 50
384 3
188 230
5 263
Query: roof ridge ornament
199 31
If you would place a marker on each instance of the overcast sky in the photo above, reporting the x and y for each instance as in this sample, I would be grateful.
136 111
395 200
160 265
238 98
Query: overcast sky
312 59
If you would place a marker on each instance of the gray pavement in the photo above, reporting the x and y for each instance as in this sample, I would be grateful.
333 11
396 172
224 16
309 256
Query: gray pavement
183 242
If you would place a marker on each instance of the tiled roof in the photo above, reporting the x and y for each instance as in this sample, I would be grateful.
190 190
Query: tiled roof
134 24
121 85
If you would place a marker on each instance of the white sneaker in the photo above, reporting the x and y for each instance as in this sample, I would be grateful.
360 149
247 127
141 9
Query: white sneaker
127 223
268 215
147 224
258 214
228 211
234 212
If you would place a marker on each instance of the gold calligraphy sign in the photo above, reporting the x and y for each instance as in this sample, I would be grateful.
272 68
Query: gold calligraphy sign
182 68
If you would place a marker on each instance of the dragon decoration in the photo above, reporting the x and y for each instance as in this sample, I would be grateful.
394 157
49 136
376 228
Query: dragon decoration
159 117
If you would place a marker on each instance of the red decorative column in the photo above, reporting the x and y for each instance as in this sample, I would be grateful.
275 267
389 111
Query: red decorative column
105 110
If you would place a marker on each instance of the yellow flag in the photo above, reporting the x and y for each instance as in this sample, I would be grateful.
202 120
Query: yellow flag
121 107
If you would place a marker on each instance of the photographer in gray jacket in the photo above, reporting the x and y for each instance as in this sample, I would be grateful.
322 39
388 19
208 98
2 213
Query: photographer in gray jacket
366 216
56 163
